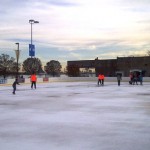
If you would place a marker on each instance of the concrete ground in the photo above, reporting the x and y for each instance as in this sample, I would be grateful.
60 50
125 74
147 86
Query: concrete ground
75 116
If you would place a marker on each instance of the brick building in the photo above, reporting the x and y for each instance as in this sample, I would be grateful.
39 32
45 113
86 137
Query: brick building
109 67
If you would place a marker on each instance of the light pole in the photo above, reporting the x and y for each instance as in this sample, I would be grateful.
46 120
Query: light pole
31 21
17 57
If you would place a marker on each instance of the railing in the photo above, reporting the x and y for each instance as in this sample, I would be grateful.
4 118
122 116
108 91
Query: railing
21 80
69 79
3 81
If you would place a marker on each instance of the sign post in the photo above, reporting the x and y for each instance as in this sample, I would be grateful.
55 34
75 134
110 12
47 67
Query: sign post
31 50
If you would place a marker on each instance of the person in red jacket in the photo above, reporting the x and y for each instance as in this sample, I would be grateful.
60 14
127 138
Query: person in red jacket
101 78
33 79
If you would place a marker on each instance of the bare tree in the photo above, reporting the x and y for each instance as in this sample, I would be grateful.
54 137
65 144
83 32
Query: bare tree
148 52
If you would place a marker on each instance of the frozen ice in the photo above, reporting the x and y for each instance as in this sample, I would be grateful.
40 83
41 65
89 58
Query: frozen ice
75 116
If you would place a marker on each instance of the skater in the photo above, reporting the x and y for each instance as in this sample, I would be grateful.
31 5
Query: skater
136 79
14 85
119 79
103 77
99 79
141 79
131 78
33 80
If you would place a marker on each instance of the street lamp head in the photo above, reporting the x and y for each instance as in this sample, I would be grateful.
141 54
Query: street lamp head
36 21
17 43
33 21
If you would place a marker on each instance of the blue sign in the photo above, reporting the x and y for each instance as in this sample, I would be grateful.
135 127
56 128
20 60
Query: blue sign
31 50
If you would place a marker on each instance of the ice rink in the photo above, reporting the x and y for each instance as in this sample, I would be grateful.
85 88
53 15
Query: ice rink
75 116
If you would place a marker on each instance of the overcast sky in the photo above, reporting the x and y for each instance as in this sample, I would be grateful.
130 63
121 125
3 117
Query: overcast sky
75 29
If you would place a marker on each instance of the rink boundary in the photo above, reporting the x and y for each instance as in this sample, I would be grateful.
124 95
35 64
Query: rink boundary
72 79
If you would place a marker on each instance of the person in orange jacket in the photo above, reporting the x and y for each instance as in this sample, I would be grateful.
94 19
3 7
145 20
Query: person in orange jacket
33 79
99 79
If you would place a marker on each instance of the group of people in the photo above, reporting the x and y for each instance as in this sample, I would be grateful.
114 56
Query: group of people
33 80
101 78
135 78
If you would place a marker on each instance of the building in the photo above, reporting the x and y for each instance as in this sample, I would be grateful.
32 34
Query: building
110 67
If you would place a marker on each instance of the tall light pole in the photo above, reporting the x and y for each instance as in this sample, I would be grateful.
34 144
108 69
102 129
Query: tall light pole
31 21
17 57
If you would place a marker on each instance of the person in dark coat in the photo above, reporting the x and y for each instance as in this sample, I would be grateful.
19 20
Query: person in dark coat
119 79
14 86
141 79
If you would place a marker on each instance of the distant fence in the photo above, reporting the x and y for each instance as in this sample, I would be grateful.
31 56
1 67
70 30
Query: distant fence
69 79
3 81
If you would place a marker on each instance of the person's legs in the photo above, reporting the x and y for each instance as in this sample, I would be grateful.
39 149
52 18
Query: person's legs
14 89
98 82
102 81
133 81
35 85
136 81
31 84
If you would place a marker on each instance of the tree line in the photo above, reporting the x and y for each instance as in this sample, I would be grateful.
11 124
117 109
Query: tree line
9 66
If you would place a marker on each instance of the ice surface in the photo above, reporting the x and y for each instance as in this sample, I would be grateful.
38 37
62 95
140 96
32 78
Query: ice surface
75 116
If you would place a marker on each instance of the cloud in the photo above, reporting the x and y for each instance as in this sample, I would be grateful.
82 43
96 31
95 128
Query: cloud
81 29
62 3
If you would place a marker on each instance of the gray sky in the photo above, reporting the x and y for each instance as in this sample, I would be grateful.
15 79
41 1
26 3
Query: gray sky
75 29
